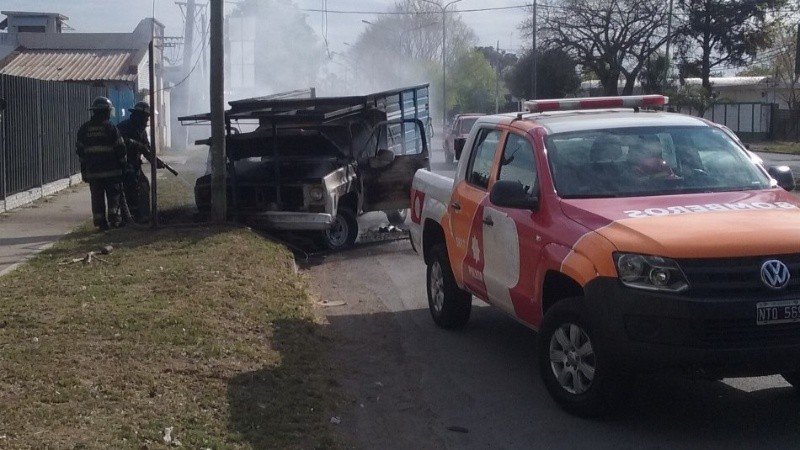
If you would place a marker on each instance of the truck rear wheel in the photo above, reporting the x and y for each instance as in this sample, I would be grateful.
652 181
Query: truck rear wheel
450 306
343 231
573 363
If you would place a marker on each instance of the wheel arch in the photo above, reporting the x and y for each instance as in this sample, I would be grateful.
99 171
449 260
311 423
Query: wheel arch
558 286
432 235
349 201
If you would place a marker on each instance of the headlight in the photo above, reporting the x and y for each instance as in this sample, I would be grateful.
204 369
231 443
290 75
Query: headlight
316 194
650 272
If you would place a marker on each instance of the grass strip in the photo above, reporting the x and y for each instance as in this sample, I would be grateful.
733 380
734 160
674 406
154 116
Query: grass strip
206 331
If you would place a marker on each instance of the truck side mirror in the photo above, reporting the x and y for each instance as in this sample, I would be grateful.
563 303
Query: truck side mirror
783 175
512 194
458 146
382 158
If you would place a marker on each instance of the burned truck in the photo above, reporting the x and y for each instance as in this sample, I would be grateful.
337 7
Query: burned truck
313 165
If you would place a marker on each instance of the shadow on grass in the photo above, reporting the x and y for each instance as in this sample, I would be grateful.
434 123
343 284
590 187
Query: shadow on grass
286 406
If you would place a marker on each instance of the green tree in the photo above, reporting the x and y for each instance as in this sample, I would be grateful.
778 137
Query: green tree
654 75
472 85
724 33
556 75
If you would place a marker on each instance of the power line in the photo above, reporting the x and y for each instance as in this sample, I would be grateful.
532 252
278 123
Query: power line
416 13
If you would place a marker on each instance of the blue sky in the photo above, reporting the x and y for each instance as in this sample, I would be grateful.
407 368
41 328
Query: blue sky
123 15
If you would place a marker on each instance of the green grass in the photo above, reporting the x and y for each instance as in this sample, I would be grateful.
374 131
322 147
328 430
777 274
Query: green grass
208 330
792 148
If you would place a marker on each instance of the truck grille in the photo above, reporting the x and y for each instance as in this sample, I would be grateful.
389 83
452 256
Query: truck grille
260 198
743 333
737 277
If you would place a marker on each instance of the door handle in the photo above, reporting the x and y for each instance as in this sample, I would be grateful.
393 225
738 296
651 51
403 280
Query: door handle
456 206
488 221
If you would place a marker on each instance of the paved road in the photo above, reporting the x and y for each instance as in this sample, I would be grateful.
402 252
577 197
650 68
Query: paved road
412 385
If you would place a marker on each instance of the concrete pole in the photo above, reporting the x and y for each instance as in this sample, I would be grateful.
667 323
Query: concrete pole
497 82
219 198
184 92
534 66
444 75
669 40
154 107
188 37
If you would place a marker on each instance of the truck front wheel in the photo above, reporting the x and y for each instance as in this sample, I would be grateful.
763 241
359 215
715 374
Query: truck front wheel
572 361
450 306
343 231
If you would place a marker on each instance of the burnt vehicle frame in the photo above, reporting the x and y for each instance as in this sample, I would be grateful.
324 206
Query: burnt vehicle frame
314 164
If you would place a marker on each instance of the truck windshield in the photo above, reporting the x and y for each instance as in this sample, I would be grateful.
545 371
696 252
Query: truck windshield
632 162
466 125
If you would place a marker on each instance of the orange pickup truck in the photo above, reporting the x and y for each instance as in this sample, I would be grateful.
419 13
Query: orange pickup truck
634 241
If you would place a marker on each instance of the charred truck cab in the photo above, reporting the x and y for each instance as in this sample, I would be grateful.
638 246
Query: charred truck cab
315 164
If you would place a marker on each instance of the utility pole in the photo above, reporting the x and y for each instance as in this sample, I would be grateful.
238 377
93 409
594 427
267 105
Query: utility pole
497 81
219 198
444 61
797 53
154 107
533 54
188 44
188 37
669 40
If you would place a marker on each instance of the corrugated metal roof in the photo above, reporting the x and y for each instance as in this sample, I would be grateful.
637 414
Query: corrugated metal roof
72 65
731 81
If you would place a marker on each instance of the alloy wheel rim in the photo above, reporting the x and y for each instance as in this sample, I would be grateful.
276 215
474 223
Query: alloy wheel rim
572 358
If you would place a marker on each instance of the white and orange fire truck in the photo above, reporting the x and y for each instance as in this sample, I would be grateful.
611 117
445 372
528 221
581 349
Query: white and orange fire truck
632 240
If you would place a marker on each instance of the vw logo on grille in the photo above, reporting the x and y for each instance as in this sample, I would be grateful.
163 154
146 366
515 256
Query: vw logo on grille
775 274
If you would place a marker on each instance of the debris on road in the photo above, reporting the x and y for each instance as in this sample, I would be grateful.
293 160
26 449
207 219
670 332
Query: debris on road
331 304
336 420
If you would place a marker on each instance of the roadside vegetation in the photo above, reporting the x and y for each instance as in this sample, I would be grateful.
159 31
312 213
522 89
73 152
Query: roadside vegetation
786 147
200 337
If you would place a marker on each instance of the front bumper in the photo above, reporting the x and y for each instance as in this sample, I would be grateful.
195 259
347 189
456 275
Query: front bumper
647 331
295 221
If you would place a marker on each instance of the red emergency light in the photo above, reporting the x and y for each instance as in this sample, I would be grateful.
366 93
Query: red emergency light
567 104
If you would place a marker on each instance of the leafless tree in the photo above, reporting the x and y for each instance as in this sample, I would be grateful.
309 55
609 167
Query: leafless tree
610 38
415 33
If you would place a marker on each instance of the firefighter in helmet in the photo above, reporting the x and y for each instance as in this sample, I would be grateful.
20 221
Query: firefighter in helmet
136 186
102 155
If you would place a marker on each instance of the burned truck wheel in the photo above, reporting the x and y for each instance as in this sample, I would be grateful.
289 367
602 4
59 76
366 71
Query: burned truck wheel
397 216
343 231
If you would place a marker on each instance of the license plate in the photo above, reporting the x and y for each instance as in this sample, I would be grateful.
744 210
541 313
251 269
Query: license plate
769 313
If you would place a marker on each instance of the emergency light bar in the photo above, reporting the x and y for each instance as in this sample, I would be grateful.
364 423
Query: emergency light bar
566 104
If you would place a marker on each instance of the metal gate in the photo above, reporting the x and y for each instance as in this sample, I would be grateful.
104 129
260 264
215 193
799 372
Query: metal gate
37 132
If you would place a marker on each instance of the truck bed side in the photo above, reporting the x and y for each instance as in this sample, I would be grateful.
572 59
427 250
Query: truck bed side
430 195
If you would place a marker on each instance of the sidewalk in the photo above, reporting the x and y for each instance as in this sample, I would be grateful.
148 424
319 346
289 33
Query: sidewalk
27 230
